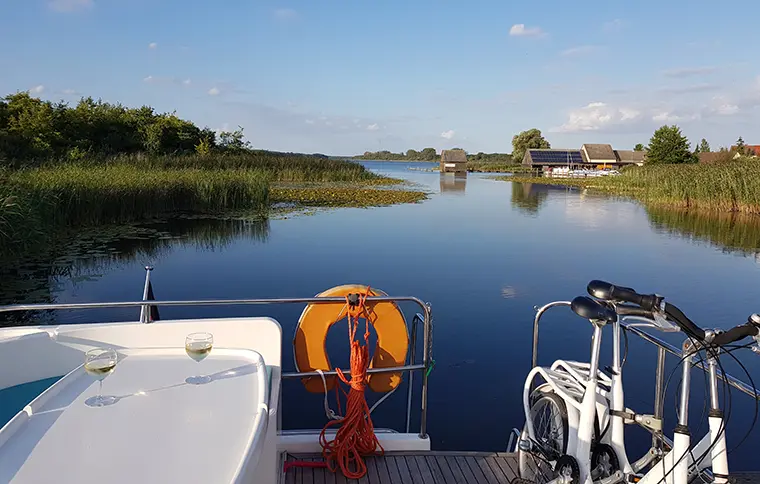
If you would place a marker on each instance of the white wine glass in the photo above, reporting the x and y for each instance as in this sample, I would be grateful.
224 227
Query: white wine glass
99 363
198 346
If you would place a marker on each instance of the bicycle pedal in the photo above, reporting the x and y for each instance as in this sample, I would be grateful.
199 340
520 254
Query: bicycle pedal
633 478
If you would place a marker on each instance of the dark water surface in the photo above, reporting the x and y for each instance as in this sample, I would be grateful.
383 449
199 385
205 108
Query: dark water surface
482 252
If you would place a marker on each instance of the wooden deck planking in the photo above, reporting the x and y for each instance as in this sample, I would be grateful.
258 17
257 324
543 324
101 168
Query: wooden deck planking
414 468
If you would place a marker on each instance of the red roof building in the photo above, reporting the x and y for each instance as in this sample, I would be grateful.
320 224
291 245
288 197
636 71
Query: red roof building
752 149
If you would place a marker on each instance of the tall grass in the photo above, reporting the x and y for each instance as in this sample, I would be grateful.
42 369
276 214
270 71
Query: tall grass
35 202
497 167
284 167
80 195
728 187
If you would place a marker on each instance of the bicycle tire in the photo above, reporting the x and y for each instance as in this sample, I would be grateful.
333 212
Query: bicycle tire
529 463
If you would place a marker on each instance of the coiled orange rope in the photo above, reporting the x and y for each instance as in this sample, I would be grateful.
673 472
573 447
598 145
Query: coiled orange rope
356 436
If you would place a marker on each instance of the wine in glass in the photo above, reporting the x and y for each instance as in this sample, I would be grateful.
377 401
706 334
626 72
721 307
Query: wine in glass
99 363
198 346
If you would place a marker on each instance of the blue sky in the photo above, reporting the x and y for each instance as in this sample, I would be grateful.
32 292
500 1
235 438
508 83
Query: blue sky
342 77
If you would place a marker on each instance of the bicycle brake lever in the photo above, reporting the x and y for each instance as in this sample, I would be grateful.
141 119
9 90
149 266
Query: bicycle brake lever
663 324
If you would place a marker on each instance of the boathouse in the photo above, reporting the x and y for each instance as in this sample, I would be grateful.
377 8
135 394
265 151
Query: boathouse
453 161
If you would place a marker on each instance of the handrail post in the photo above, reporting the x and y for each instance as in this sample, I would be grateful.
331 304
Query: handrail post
426 356
145 309
418 318
659 397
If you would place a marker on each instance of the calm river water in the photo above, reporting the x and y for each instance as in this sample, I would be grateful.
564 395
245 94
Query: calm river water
482 252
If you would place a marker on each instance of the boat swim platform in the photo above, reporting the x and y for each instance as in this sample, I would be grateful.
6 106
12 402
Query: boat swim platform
430 467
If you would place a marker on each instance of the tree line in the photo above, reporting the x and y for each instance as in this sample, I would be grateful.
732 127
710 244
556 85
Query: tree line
430 154
33 131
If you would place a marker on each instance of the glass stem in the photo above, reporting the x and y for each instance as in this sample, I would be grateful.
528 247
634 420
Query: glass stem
100 387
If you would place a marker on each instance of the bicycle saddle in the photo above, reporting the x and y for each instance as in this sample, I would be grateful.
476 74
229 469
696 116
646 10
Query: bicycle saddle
587 308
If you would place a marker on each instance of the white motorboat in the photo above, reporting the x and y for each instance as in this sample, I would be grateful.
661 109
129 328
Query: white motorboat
158 424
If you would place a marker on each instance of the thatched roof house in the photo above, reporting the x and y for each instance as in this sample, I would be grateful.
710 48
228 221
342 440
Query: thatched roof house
453 161
598 154
630 157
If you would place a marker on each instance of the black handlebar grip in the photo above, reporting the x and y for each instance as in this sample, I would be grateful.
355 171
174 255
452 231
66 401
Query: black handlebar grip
685 323
634 311
610 292
735 334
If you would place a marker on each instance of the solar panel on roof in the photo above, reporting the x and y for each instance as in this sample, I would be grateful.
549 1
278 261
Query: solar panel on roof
556 156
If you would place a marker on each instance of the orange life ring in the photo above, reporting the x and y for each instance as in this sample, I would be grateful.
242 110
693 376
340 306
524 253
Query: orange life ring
311 333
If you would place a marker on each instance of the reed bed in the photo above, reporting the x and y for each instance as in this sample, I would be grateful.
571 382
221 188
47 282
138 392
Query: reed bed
496 167
284 167
726 187
87 195
35 202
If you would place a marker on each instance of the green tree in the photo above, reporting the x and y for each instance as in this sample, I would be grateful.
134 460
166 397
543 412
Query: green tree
233 140
412 154
704 146
669 145
638 147
740 146
428 154
527 140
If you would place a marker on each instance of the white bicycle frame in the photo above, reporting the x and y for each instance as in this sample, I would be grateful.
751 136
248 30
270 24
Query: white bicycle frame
578 384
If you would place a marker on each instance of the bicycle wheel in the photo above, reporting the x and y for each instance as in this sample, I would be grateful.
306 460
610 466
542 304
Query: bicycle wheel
548 414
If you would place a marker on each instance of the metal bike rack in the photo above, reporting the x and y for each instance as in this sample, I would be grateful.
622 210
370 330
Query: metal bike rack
663 348
424 318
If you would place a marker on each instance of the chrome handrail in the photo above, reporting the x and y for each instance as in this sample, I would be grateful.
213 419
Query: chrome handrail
424 317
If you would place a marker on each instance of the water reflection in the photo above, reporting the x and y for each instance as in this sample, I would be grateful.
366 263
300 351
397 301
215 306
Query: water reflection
731 232
528 197
453 182
89 253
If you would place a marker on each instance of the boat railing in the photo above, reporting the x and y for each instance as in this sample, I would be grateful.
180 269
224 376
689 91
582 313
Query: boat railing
663 348
423 318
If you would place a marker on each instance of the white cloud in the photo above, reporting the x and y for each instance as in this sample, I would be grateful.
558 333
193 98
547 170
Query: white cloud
285 14
69 5
187 82
579 50
596 116
149 79
309 121
70 92
213 91
646 114
153 45
689 71
38 89
520 30
448 134
373 127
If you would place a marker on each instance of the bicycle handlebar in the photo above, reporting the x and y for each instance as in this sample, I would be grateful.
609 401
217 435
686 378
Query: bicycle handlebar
634 311
737 333
647 302
686 324
610 292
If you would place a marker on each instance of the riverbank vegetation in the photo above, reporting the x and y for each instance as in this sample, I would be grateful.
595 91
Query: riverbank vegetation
728 187
97 163
430 154
673 176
